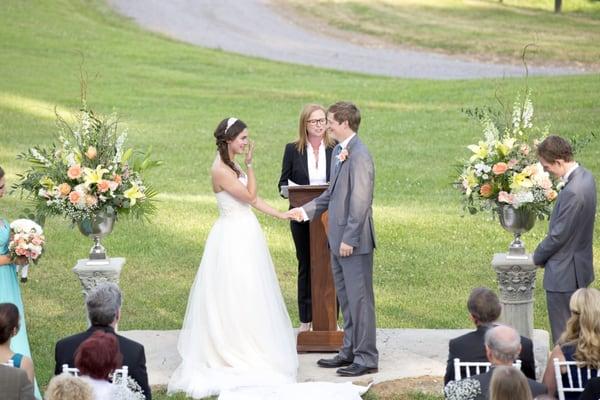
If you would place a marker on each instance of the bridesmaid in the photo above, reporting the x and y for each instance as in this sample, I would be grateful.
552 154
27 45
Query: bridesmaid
10 291
306 161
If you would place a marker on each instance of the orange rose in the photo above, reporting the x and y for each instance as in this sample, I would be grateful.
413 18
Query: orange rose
551 194
117 179
74 197
486 190
64 189
499 168
74 171
90 200
103 185
91 152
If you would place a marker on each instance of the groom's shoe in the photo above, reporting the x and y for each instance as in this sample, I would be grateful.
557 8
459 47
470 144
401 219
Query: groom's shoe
356 370
335 362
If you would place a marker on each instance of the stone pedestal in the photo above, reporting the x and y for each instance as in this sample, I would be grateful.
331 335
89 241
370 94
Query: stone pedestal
516 281
91 273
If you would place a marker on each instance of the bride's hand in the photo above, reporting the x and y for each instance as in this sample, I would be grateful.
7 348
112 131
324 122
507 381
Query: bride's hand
249 153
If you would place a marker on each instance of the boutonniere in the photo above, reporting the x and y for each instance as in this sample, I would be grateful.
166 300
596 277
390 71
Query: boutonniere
560 185
343 155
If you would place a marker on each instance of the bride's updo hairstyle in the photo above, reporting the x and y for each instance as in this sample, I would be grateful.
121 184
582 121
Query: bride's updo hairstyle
227 131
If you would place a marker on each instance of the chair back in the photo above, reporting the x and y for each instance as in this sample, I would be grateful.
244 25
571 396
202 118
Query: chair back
122 372
576 381
67 370
479 367
9 363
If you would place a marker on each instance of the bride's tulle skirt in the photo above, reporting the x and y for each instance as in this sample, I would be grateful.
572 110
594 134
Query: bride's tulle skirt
236 331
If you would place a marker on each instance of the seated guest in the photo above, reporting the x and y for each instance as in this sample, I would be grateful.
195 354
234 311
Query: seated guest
15 384
579 342
592 390
9 327
484 309
502 348
68 387
104 312
509 383
96 359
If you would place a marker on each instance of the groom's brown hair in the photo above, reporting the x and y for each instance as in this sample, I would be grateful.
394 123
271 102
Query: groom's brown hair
346 111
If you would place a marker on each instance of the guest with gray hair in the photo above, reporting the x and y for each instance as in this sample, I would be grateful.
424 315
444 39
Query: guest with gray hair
502 347
103 305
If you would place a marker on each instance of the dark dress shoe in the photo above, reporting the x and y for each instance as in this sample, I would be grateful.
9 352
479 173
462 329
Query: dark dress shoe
334 362
356 370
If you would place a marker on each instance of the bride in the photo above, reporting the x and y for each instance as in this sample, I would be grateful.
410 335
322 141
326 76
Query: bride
236 330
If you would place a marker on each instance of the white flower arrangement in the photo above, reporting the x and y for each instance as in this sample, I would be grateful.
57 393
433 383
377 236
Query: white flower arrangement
465 389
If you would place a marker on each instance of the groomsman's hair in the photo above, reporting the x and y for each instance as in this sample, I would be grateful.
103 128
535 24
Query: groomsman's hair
483 305
555 148
1 172
346 111
103 303
9 320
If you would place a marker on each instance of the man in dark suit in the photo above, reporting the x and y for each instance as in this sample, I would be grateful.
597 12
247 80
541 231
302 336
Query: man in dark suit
351 237
484 309
104 311
502 347
566 253
14 384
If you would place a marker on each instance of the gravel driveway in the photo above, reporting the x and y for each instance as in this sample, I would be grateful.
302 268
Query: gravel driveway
252 27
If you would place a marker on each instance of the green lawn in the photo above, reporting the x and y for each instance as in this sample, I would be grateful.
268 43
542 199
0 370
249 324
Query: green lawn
483 29
172 95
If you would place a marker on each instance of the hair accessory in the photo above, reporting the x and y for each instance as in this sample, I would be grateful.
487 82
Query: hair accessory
230 122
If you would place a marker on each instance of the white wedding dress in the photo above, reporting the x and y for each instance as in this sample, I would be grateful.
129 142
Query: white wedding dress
237 334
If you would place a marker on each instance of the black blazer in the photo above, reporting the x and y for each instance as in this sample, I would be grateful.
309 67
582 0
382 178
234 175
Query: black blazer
295 166
133 355
471 347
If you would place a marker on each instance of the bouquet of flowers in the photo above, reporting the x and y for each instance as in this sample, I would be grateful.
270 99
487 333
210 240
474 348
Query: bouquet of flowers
503 168
26 244
465 389
88 171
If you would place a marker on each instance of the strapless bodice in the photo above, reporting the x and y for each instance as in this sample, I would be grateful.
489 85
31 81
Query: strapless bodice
229 205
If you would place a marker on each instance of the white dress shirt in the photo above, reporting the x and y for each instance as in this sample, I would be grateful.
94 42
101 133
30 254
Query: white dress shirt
317 166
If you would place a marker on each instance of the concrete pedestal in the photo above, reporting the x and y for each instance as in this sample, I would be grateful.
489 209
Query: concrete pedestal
90 273
516 281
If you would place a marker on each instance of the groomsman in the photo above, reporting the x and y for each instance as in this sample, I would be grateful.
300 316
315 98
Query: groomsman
351 237
566 252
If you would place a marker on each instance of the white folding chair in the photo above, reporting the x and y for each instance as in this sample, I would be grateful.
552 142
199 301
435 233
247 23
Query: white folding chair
479 368
123 373
9 363
576 383
67 370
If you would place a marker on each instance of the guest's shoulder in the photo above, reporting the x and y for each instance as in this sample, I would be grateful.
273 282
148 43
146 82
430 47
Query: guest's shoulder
78 337
129 343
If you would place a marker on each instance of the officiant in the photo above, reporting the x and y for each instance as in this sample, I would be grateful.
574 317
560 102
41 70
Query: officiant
306 161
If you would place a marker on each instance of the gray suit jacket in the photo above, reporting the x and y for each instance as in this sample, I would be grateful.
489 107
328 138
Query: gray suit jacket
348 199
14 384
566 252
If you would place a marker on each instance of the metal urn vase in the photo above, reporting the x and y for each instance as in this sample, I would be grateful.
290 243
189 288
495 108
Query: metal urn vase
97 227
517 221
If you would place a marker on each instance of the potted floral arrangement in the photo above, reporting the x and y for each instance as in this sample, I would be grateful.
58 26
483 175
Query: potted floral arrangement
502 173
88 176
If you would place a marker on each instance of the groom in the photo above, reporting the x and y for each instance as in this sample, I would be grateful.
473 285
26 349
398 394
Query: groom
351 240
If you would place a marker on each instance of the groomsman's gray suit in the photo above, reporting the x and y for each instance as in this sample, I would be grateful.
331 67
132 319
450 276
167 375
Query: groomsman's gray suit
349 199
566 253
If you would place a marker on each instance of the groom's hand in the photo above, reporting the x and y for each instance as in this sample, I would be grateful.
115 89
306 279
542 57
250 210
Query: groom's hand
345 250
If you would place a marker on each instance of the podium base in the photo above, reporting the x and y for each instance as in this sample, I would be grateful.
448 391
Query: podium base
319 341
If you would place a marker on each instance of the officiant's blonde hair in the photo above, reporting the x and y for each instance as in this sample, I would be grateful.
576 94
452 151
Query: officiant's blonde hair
302 124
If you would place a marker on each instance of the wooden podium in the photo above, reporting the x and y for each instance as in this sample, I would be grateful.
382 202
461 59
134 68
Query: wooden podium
324 336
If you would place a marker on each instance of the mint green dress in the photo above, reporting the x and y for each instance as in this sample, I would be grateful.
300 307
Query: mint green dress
10 292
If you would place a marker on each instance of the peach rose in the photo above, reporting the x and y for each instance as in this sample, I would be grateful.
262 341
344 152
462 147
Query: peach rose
486 190
64 189
74 171
551 194
91 152
525 149
90 200
505 197
103 185
117 179
499 168
74 197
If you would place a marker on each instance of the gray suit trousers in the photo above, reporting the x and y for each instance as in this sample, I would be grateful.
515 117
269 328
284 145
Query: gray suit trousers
353 277
558 312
